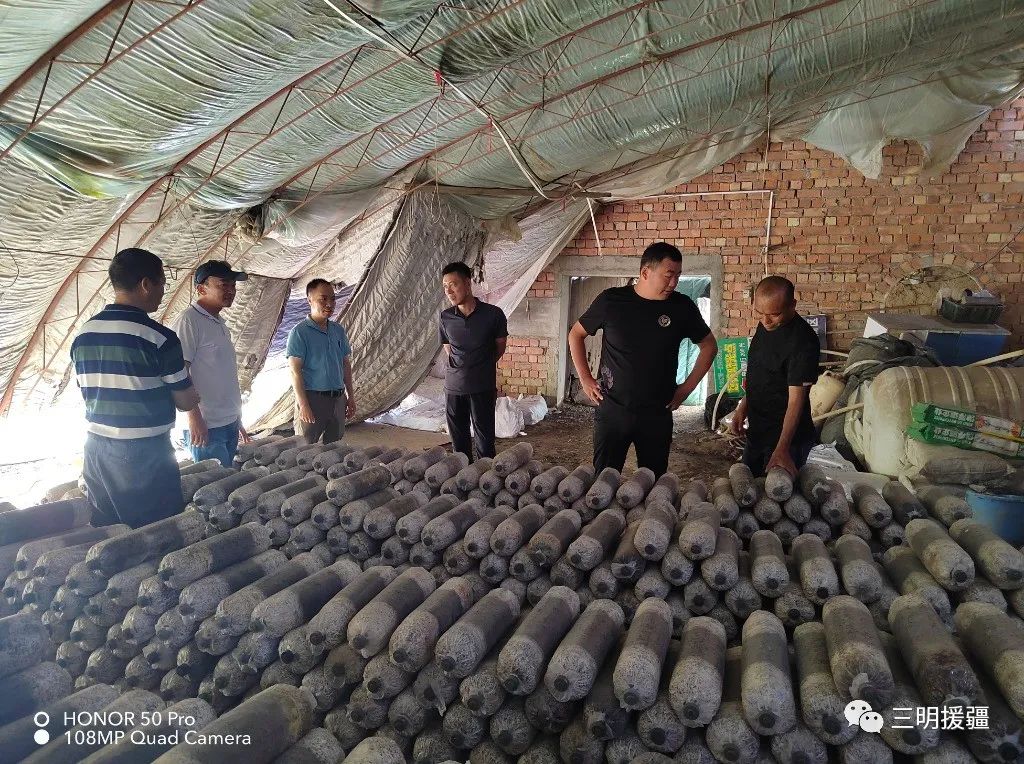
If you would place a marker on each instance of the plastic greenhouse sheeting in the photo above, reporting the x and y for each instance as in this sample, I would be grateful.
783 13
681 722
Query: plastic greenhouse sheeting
286 136
29 33
403 273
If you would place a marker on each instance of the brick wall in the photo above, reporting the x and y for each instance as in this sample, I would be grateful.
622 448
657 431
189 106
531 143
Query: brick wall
544 286
524 367
842 239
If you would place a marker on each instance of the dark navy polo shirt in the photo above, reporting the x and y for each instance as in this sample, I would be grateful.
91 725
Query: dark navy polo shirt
473 358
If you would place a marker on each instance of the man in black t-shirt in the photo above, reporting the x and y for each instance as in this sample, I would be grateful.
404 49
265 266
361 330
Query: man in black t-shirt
474 334
782 364
637 392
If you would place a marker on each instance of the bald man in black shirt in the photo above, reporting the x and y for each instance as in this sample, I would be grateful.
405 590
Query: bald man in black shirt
782 364
643 325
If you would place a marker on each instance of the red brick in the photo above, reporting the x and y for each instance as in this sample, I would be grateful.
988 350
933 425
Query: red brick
853 237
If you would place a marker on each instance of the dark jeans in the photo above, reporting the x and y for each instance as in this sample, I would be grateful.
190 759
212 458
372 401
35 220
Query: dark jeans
221 444
477 408
135 482
758 451
329 413
648 430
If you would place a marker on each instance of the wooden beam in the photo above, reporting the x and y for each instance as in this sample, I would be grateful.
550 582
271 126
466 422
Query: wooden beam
558 193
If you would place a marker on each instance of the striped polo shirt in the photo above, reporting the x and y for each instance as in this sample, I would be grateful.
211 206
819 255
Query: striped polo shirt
127 365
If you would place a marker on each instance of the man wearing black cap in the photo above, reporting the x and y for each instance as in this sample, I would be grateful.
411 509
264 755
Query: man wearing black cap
214 427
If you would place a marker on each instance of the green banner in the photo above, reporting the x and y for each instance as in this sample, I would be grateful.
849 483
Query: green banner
731 364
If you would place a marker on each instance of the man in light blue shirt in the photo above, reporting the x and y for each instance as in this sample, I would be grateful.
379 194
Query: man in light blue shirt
321 366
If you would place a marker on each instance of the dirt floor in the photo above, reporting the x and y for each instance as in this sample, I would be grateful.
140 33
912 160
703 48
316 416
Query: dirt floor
566 437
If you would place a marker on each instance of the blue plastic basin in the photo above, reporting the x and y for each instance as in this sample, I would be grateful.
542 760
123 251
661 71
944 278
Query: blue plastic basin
1003 514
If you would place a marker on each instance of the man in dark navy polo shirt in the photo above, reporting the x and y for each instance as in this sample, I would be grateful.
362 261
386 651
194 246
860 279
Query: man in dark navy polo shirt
474 335
643 325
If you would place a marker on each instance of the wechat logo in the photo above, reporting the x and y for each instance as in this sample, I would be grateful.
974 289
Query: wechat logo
858 712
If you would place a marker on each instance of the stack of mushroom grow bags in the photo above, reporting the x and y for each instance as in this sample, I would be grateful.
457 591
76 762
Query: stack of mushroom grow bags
391 606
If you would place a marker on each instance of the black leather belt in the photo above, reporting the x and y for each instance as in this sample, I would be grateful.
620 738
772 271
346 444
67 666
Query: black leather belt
329 393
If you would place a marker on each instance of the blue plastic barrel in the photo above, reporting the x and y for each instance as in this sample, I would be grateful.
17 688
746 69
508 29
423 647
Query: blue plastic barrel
1003 514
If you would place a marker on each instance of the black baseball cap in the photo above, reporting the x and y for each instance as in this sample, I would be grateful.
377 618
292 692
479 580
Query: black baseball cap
220 269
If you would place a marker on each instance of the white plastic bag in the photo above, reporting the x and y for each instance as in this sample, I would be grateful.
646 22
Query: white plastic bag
508 418
534 408
415 413
826 455
825 392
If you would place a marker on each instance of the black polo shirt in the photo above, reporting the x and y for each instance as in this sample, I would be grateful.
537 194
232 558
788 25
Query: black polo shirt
777 360
640 349
473 358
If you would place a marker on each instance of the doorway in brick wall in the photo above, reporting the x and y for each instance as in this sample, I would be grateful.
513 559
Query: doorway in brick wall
583 290
581 279
698 289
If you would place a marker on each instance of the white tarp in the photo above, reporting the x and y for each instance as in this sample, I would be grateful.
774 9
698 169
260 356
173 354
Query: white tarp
427 233
263 132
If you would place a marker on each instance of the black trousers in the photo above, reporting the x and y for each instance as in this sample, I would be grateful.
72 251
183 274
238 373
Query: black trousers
329 416
759 448
477 408
648 430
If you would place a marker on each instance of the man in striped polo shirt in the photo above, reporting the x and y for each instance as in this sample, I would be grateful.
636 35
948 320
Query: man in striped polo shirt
132 376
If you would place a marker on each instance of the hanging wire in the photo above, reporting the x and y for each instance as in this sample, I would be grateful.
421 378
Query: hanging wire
444 82
593 222
768 132
17 269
